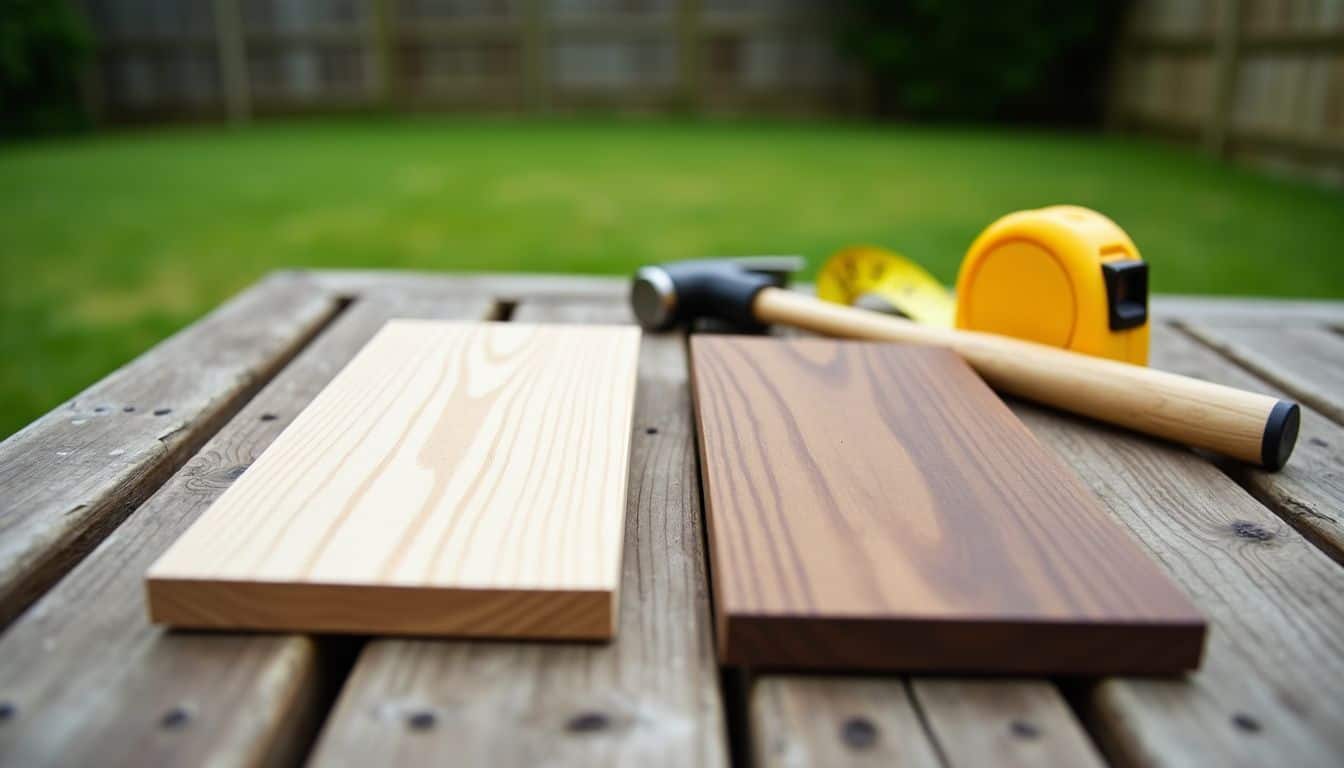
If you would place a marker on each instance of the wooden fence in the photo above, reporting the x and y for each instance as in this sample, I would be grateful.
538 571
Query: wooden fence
238 58
1257 79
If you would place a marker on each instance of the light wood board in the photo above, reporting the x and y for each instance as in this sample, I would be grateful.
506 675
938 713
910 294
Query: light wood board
454 479
876 506
650 698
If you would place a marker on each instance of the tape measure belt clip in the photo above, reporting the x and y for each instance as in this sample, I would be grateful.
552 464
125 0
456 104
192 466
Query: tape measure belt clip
1126 292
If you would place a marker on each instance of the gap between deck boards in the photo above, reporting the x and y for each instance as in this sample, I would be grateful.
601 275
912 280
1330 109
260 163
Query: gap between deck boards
1287 508
121 502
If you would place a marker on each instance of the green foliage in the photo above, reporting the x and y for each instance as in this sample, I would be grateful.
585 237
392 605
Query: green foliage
1033 60
43 46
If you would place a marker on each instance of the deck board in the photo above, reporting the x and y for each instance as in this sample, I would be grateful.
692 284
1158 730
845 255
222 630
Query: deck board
1275 606
74 474
1309 492
1306 362
93 682
649 698
87 679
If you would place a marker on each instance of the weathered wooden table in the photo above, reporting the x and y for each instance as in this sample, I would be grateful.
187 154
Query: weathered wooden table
92 492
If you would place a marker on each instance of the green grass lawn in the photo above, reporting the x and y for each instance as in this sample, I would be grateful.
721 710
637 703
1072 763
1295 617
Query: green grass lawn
110 243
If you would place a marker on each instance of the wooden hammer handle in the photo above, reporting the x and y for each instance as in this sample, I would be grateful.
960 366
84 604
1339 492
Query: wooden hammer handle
1251 427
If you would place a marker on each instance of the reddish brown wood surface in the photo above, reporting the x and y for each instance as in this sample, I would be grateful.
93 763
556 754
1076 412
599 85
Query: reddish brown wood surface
877 506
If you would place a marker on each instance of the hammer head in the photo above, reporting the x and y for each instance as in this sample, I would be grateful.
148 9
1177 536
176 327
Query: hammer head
680 292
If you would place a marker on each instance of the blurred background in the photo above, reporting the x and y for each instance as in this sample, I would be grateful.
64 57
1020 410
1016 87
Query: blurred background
160 155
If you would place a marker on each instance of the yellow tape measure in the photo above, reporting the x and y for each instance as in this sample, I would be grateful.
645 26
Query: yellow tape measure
1065 276
866 275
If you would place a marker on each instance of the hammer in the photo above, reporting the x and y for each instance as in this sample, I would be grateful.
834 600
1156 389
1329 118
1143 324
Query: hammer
750 294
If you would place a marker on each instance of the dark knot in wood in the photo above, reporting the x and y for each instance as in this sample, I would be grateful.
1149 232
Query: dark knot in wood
1254 531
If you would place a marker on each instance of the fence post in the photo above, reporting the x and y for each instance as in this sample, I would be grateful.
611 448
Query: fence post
535 87
1226 54
688 45
382 34
232 61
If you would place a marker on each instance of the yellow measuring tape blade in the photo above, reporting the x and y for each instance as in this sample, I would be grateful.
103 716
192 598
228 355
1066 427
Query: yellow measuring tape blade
863 273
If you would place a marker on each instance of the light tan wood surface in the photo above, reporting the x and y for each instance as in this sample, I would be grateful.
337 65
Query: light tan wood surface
1198 413
132 694
455 478
650 698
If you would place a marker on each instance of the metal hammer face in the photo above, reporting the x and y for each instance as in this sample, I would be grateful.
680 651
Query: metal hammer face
680 292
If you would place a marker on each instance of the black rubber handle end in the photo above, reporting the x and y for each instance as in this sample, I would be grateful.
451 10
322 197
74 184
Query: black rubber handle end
1280 435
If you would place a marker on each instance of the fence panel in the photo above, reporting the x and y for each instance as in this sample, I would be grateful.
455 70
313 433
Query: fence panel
235 58
1257 79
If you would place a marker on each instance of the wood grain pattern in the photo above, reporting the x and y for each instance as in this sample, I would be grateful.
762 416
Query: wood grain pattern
462 479
90 682
1275 606
73 475
1309 492
819 720
1307 363
876 506
650 698
1188 411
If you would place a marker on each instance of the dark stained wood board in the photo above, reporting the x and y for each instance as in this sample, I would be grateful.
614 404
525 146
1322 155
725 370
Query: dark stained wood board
876 506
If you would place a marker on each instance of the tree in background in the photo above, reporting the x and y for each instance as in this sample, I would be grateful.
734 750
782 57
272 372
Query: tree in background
43 47
1026 61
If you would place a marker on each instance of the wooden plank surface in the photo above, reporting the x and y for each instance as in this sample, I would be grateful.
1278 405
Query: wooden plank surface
1246 312
455 479
1275 606
819 720
1002 722
88 680
805 721
648 698
73 475
1306 362
1309 492
511 287
876 506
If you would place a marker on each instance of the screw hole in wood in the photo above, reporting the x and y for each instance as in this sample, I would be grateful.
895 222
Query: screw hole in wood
587 722
858 733
422 720
175 718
